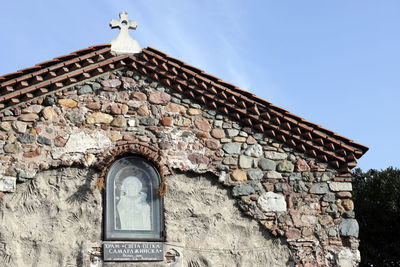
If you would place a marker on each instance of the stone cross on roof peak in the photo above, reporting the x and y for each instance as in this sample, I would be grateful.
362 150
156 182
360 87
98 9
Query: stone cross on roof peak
124 44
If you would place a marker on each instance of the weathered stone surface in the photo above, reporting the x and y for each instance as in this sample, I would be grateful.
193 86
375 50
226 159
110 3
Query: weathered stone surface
239 175
319 188
254 151
49 101
59 141
348 258
275 155
88 159
243 190
115 109
293 233
76 118
5 126
269 202
266 164
149 121
181 121
49 114
143 110
295 177
33 109
308 176
239 139
159 98
213 144
232 132
43 140
230 161
99 117
339 186
285 166
166 121
69 103
348 227
301 166
28 117
19 126
250 140
26 174
193 112
86 89
94 106
8 184
112 83
119 122
202 124
218 133
329 197
273 175
26 138
139 96
254 175
232 148
245 162
325 219
11 148
197 158
348 204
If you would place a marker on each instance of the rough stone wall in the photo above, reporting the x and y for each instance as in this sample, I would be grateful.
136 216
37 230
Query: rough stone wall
289 194
56 219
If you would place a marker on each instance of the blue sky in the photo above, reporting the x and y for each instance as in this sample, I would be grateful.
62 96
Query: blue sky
335 63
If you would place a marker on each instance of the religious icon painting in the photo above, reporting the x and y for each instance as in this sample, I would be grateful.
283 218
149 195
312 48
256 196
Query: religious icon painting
133 208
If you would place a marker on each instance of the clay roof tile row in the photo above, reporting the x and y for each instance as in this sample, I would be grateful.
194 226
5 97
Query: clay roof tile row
228 99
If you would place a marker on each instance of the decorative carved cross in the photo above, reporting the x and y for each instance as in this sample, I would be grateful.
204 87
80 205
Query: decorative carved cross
124 44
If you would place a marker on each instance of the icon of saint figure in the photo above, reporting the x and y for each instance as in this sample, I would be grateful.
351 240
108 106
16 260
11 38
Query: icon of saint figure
133 210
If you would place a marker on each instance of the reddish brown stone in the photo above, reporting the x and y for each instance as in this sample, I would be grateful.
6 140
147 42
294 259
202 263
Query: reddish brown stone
94 106
166 121
159 98
302 166
213 144
112 83
32 154
251 141
202 135
59 141
218 133
129 137
124 109
293 233
143 111
202 124
197 158
286 189
343 194
269 186
115 109
139 96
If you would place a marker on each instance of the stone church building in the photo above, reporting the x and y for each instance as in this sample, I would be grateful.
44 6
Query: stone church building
115 155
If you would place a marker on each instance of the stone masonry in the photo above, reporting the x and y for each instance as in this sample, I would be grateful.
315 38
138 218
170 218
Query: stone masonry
291 195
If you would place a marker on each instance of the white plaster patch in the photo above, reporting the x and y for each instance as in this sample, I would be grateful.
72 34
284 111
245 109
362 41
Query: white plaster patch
81 142
271 201
8 184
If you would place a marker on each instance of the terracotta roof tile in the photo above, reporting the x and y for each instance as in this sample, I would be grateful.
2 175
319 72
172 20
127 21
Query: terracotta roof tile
228 99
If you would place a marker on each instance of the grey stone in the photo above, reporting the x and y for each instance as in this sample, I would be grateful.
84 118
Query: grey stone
8 184
232 132
75 117
245 162
232 148
329 197
225 140
258 136
26 174
212 112
11 148
300 187
8 113
254 151
292 158
186 101
349 214
176 100
319 188
273 175
332 232
96 86
244 134
49 101
243 190
222 167
308 176
236 126
149 121
278 187
254 175
196 106
326 176
271 202
230 161
275 155
285 166
295 177
226 125
86 89
339 186
266 164
348 227
218 124
26 138
332 208
19 126
43 140
219 117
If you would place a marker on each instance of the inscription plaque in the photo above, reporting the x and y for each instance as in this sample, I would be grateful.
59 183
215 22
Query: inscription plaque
133 251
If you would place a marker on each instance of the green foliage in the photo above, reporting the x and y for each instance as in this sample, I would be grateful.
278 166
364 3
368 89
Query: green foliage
377 206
